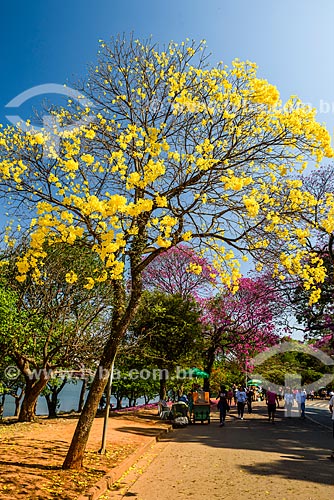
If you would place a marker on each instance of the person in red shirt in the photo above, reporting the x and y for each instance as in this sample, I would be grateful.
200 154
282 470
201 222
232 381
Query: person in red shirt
271 400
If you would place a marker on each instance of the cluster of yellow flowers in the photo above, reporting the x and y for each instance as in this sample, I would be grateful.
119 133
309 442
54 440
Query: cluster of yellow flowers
227 146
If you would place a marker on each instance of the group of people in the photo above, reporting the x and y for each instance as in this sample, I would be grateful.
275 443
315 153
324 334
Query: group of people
241 397
245 396
295 396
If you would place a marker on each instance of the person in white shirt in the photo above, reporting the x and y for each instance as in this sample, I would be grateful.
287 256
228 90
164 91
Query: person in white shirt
288 400
331 409
301 397
241 401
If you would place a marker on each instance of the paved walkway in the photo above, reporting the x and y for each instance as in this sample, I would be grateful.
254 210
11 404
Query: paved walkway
251 458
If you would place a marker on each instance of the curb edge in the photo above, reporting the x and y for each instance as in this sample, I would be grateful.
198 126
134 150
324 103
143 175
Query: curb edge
117 472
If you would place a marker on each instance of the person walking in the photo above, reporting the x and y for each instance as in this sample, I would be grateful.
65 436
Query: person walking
303 398
222 405
271 400
288 400
301 402
250 395
241 398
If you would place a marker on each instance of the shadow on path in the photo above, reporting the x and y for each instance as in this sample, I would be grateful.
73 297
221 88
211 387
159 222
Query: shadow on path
142 431
302 447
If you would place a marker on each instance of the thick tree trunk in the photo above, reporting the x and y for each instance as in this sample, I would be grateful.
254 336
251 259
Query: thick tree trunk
122 316
52 399
208 369
17 407
18 403
210 356
32 391
77 448
163 386
52 405
82 395
206 381
27 411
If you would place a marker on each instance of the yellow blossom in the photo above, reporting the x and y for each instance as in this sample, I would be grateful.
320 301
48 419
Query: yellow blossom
90 283
87 158
71 277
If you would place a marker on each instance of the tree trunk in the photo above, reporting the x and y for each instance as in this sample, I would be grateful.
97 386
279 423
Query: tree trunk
208 369
2 405
119 402
77 448
17 407
52 404
18 403
122 316
32 391
53 401
82 394
163 386
210 356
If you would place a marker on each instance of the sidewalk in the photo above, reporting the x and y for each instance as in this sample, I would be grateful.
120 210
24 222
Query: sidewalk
250 458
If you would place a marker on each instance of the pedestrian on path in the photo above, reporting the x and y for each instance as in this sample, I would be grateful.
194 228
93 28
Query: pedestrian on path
271 400
250 394
288 400
301 401
222 405
241 398
303 398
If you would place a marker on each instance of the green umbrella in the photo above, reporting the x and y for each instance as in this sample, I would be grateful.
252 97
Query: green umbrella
199 373
254 382
195 372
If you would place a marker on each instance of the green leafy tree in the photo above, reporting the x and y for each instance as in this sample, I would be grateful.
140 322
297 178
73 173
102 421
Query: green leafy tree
168 333
51 392
307 367
55 325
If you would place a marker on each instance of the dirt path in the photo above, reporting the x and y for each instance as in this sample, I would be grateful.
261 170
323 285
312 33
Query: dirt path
31 454
251 458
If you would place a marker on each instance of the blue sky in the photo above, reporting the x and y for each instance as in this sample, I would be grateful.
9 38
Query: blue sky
291 40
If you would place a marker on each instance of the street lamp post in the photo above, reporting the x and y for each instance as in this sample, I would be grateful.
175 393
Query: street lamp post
102 450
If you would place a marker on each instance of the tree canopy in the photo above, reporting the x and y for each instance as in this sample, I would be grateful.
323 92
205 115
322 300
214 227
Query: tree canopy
166 148
172 150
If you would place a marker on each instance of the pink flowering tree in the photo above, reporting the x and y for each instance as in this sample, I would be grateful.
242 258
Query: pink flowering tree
326 344
180 271
242 324
235 325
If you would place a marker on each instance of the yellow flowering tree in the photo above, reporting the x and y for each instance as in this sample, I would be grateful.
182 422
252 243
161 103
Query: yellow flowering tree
170 149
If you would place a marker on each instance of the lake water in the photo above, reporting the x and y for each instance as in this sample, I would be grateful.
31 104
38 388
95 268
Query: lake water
69 400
